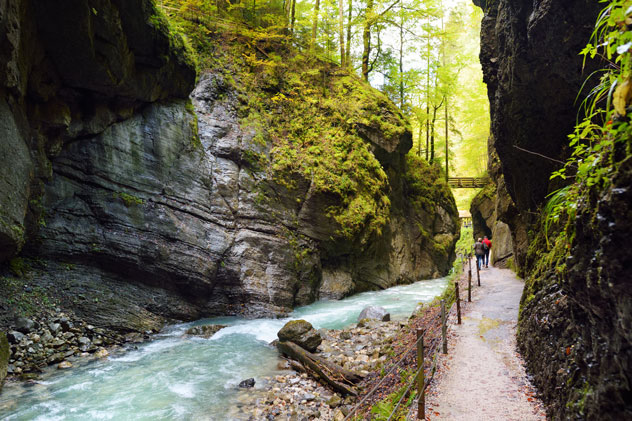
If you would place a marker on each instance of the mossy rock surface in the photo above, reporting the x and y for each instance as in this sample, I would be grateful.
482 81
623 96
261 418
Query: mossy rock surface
302 333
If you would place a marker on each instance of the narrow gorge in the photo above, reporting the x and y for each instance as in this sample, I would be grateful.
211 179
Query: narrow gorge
574 326
166 162
135 192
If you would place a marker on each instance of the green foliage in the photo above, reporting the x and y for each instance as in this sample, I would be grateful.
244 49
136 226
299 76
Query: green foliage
193 123
128 199
178 42
426 186
19 267
602 139
382 410
311 116
464 244
23 299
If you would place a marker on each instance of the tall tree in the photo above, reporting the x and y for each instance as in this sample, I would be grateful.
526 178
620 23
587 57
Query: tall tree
314 24
349 20
341 26
371 17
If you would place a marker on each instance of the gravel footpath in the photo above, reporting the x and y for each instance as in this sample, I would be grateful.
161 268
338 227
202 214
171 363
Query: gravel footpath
482 377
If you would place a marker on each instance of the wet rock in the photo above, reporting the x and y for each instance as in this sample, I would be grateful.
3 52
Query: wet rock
134 337
56 358
15 337
345 335
246 384
374 313
302 333
57 342
64 365
24 325
54 328
46 337
204 331
66 324
101 353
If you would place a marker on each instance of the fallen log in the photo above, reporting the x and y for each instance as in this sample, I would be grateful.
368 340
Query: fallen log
339 379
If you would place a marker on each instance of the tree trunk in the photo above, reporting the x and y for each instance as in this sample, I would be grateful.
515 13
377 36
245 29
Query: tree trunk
339 379
341 26
428 94
446 137
401 59
366 39
348 52
314 25
432 135
292 18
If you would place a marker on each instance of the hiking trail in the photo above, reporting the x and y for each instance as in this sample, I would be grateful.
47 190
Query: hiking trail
483 377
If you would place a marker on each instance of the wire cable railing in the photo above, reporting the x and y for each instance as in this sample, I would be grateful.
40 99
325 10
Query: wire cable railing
433 348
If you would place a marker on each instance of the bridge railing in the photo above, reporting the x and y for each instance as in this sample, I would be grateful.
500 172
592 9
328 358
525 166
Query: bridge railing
468 182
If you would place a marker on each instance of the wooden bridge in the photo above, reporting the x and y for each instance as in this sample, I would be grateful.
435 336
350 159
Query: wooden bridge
468 182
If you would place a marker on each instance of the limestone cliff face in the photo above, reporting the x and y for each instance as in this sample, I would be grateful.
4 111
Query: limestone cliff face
67 71
533 71
137 207
575 309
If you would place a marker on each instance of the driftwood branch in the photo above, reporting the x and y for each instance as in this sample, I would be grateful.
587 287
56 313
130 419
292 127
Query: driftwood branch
339 379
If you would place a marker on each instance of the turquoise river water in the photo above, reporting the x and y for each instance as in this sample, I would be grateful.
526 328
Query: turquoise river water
177 377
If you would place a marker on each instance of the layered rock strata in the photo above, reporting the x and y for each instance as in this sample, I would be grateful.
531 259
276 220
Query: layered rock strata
133 207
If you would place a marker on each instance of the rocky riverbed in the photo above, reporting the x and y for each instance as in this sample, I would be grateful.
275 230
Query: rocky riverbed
57 338
363 348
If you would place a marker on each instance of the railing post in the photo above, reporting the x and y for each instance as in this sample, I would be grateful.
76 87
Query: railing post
458 303
444 328
478 273
469 259
469 286
421 402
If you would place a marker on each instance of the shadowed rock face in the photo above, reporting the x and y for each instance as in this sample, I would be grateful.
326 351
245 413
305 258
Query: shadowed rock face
533 71
67 71
574 330
145 203
137 210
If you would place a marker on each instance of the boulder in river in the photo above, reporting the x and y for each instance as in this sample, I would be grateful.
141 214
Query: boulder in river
205 331
302 333
248 383
375 313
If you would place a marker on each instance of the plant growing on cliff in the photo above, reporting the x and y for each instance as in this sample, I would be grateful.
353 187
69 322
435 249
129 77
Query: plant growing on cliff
602 139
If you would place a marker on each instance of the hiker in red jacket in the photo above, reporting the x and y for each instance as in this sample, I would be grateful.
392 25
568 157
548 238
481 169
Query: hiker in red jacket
487 246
